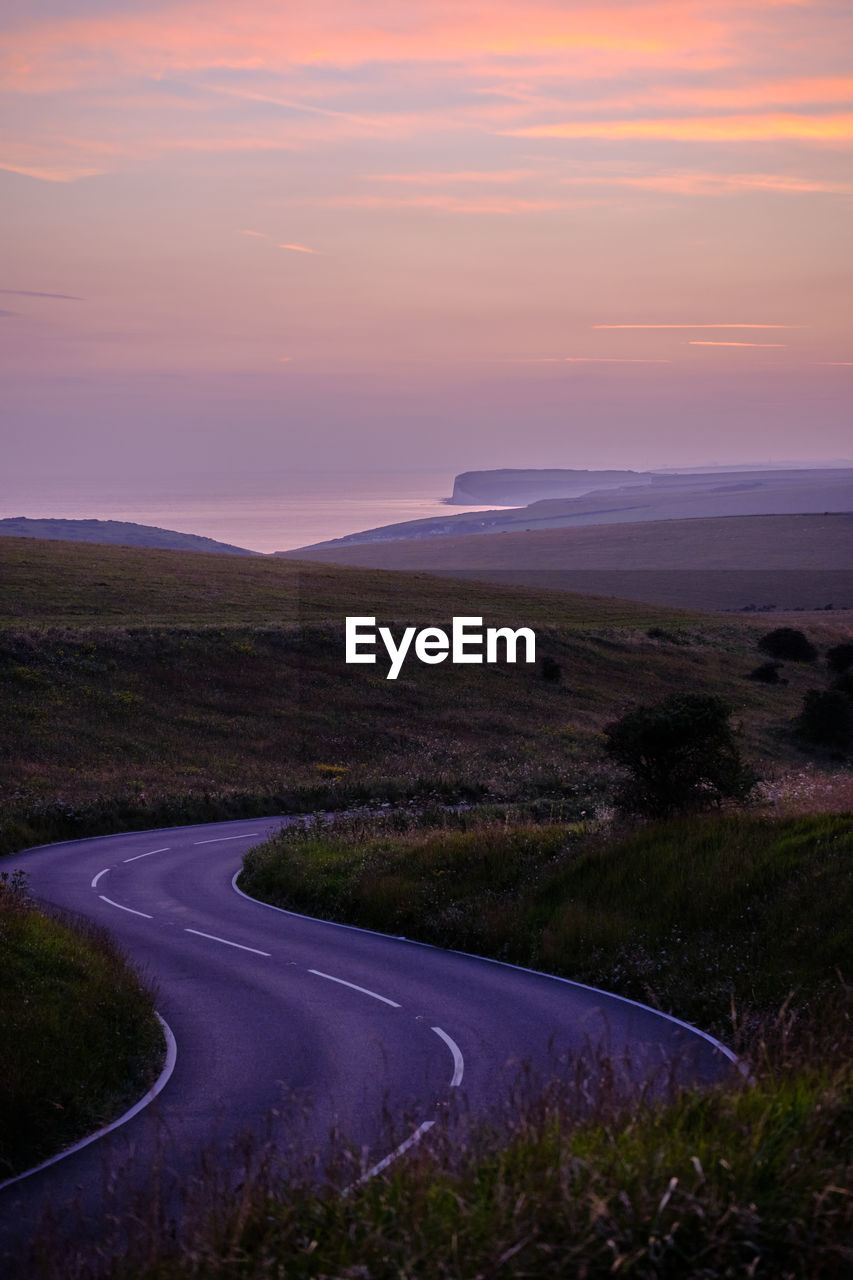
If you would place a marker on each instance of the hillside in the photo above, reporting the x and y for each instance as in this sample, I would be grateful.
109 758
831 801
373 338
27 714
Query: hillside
145 687
734 562
114 533
665 497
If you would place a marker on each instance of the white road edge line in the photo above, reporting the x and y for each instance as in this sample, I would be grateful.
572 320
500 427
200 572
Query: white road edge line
221 839
121 908
458 1060
238 945
98 876
398 1151
364 990
553 977
158 1086
137 856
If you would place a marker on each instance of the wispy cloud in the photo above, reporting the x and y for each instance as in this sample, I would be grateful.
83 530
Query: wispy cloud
760 127
33 293
260 235
707 342
448 177
52 173
697 183
301 248
682 325
586 360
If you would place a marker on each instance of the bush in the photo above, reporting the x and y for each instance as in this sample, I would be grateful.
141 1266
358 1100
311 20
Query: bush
826 718
682 754
787 643
840 658
550 669
767 673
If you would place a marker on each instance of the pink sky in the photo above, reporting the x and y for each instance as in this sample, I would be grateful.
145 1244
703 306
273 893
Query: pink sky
452 233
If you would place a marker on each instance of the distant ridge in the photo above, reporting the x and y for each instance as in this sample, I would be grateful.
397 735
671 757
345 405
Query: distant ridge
519 486
121 533
651 496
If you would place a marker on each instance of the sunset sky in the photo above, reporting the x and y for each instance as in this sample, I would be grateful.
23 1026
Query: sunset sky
440 232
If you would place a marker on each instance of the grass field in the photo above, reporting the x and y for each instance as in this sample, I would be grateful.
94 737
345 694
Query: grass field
64 1074
153 687
732 562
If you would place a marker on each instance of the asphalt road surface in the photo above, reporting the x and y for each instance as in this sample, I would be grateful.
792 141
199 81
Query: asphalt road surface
289 1027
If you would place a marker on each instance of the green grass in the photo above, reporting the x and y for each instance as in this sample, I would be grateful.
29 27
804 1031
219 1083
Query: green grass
696 916
144 687
78 1038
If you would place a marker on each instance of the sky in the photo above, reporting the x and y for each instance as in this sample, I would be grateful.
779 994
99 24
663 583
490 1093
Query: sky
462 233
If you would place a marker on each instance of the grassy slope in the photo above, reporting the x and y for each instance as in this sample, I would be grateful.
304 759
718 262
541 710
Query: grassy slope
690 915
63 1076
136 675
791 561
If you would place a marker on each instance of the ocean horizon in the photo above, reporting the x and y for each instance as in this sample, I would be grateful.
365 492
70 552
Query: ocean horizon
268 513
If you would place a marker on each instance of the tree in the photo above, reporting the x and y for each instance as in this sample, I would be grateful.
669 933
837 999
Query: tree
789 644
826 718
840 657
682 754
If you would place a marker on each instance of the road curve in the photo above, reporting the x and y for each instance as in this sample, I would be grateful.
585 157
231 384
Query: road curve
287 1025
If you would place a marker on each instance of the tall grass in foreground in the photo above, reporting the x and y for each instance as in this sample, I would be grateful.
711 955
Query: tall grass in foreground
753 1178
78 1038
698 916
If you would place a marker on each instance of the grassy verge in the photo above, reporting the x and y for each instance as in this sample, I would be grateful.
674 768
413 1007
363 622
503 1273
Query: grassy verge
696 916
78 1038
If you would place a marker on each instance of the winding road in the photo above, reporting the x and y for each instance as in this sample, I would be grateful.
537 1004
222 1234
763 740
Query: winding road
291 1027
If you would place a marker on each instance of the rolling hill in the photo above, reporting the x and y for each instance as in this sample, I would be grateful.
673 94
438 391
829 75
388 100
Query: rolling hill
734 562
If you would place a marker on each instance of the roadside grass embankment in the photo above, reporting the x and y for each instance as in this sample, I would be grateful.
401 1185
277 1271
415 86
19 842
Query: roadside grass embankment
716 918
79 1042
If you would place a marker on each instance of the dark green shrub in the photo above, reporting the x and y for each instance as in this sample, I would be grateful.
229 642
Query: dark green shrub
840 657
788 644
682 755
550 669
767 673
826 718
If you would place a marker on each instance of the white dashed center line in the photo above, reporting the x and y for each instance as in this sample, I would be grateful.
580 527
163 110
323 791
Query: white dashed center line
364 990
248 835
144 914
98 876
226 942
137 856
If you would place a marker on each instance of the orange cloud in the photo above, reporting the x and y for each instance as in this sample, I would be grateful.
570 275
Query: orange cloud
265 34
742 128
695 342
301 248
715 184
444 203
461 175
696 326
586 360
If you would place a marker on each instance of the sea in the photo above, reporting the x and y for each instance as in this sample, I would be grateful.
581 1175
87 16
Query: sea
264 513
